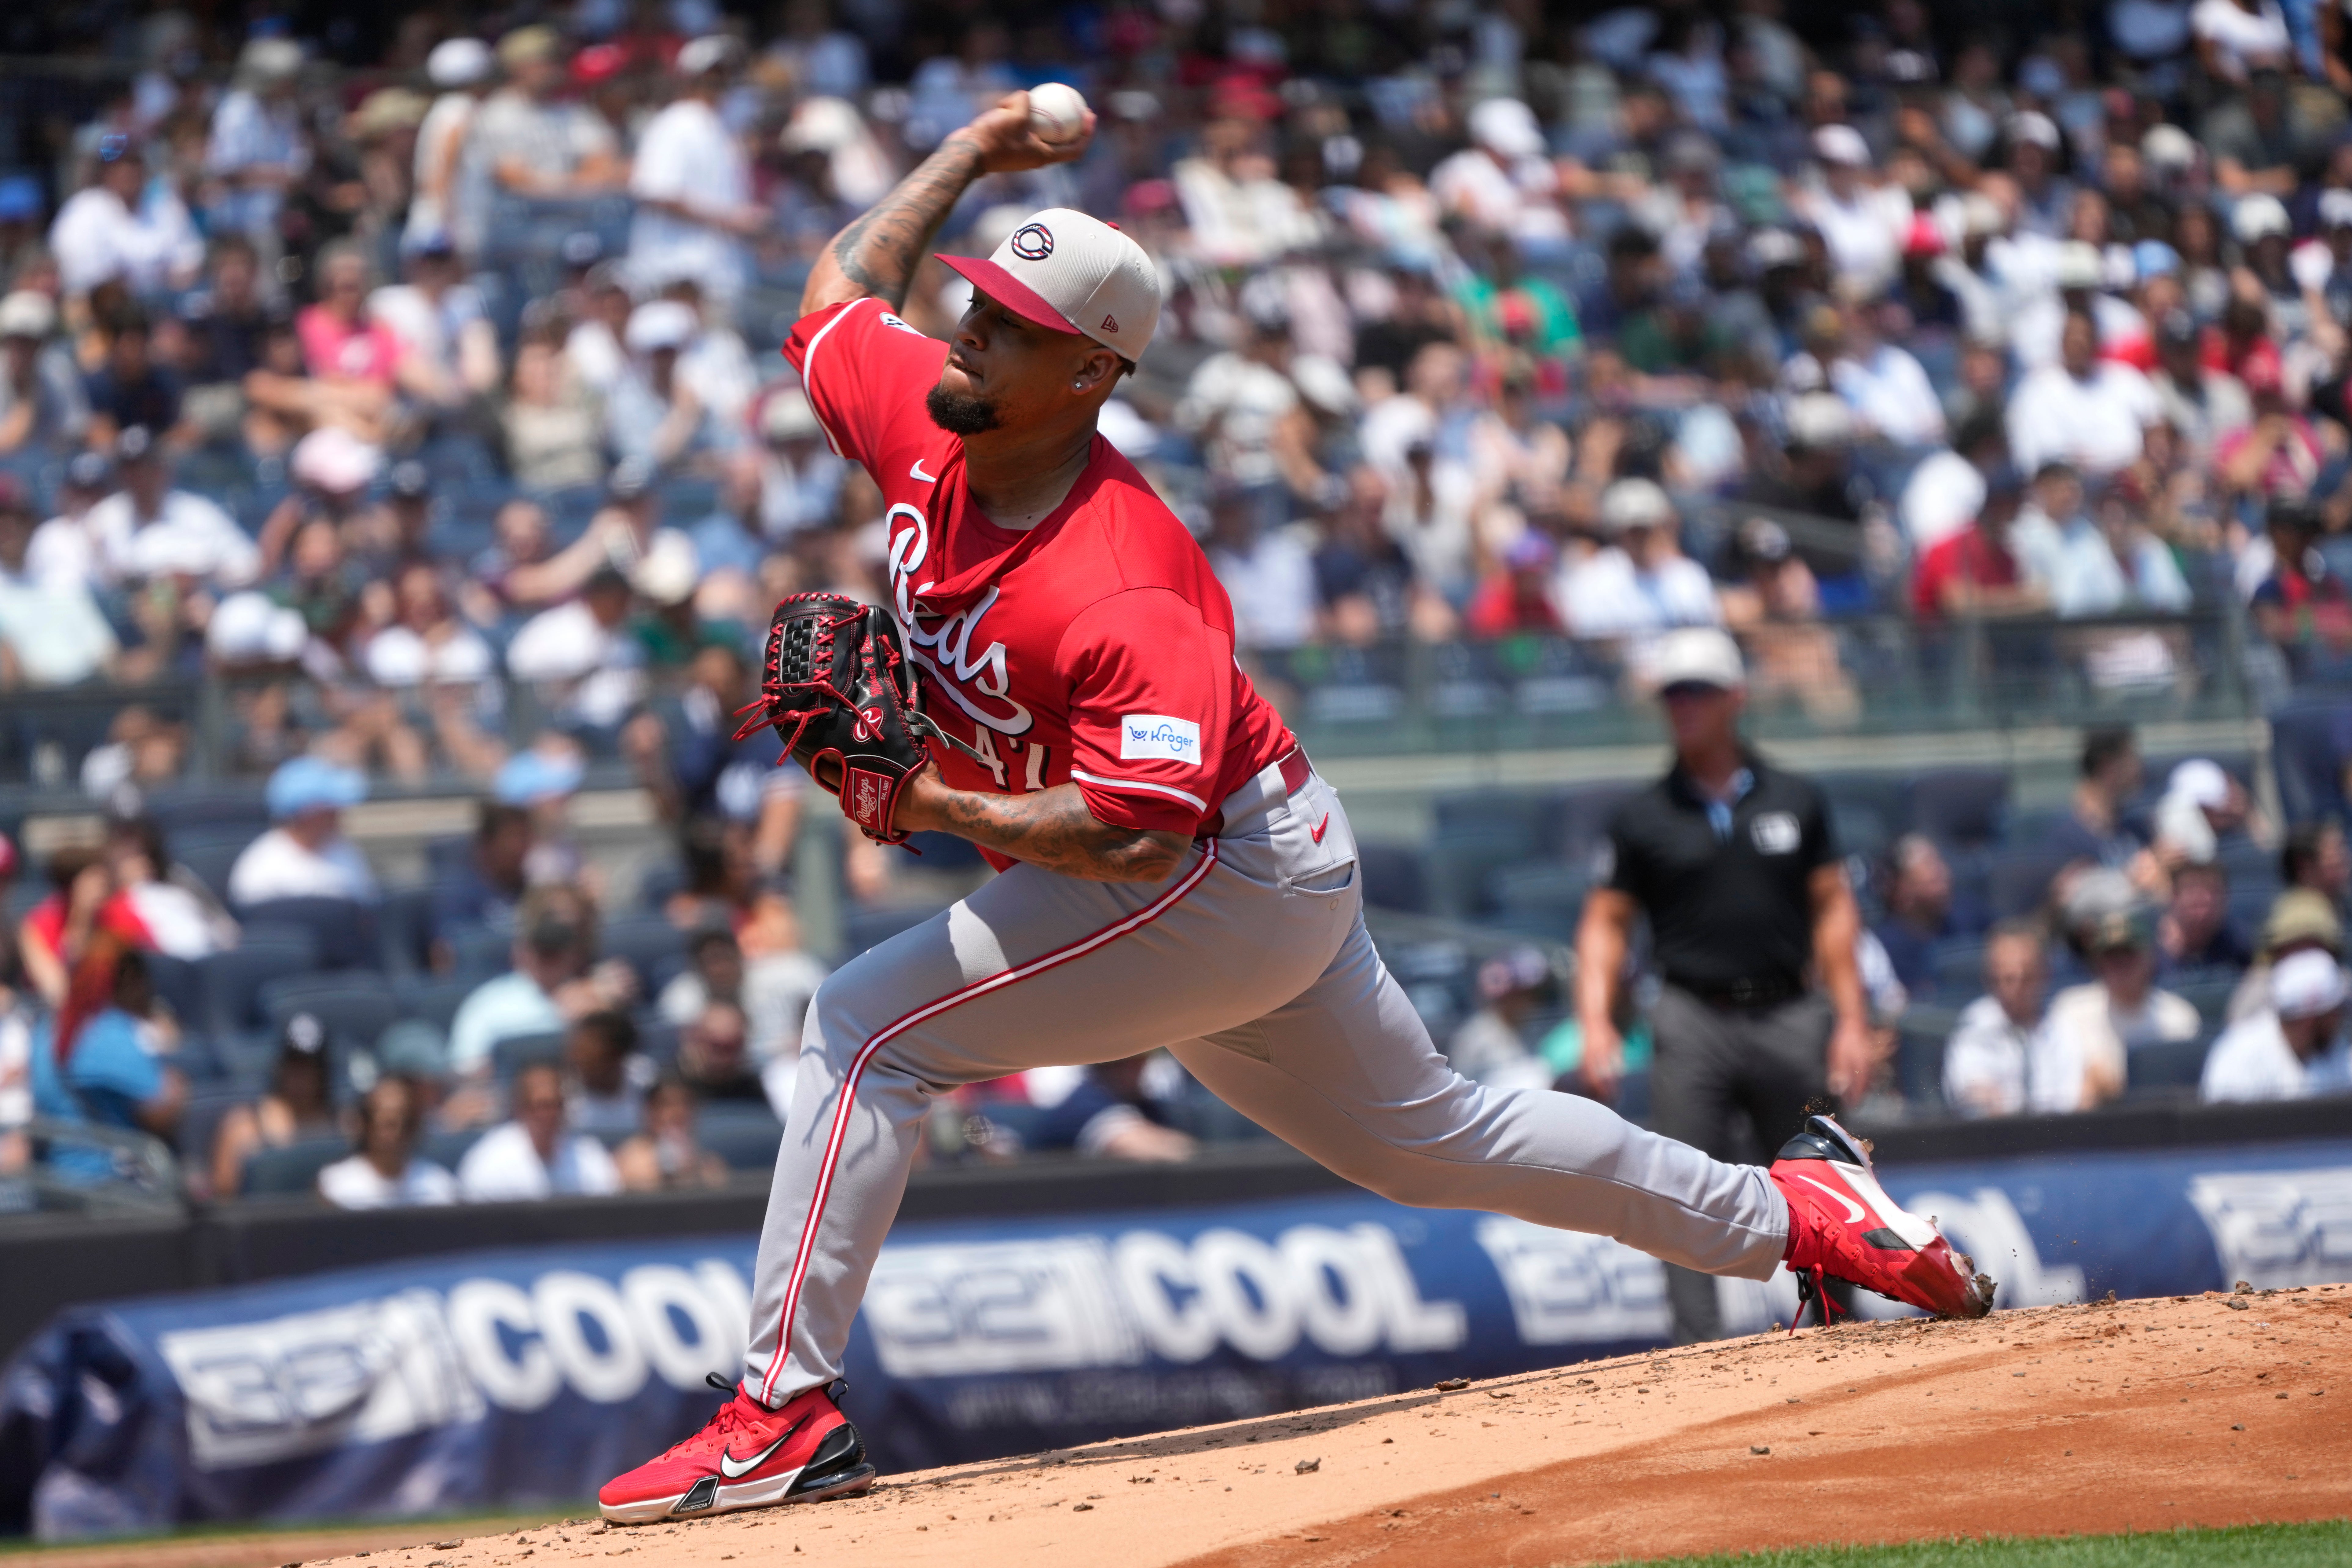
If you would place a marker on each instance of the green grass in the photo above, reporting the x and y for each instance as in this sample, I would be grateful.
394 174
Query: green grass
2322 1545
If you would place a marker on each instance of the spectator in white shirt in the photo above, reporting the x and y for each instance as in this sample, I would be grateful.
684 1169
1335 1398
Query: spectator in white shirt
107 229
584 646
1886 388
42 403
451 348
304 854
1504 181
64 551
693 185
2237 37
537 1154
1640 581
2295 1049
2095 1028
2089 412
555 977
459 68
256 149
50 635
1862 221
1268 573
1997 1061
1237 403
149 530
385 1172
525 140
2109 562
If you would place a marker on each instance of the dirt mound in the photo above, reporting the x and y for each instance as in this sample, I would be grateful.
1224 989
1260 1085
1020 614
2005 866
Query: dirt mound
2141 1414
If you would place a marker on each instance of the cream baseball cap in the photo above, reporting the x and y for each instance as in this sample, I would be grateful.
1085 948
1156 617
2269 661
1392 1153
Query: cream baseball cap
1697 655
1072 273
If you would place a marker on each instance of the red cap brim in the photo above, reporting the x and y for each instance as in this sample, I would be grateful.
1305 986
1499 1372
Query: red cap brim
1010 293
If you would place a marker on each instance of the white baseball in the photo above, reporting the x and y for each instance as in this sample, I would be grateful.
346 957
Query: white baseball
1057 111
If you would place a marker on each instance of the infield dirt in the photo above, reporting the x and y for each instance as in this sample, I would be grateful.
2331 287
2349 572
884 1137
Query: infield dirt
2134 1416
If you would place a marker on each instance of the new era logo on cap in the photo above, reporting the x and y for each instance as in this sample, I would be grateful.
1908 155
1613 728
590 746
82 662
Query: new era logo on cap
1062 269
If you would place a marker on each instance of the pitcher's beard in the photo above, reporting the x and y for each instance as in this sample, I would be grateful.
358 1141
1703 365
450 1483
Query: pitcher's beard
961 413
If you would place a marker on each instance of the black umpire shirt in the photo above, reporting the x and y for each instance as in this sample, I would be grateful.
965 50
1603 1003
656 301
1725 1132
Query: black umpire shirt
1727 892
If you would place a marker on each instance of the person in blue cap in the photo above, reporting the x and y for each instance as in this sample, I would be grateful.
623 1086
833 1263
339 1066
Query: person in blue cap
304 854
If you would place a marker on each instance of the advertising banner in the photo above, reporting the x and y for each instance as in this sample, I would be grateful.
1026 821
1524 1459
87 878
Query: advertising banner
529 1375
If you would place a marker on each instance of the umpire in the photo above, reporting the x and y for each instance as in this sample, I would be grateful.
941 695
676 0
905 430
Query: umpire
1735 863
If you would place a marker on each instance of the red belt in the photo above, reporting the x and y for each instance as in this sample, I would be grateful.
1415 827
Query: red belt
1296 771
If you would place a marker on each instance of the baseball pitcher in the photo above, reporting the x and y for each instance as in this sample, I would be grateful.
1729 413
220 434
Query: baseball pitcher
1054 680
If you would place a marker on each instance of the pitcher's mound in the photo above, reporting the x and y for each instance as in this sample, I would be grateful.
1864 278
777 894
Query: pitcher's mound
2139 1416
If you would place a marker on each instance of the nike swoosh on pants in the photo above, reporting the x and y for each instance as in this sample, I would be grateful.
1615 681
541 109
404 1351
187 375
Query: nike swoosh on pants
1317 832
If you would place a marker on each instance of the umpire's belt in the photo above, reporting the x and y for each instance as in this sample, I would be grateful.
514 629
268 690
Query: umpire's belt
1292 770
1747 992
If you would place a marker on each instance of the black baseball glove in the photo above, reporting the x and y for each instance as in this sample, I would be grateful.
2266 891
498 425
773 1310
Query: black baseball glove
841 693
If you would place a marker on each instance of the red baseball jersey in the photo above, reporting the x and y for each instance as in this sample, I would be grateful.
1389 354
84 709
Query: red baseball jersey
1095 647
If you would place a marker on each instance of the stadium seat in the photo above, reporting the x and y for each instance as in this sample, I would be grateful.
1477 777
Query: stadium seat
342 932
1579 817
862 928
209 853
292 1171
432 998
513 1053
1393 875
355 1005
447 1148
744 1135
1919 1057
180 983
188 806
480 952
2166 1068
404 928
1959 807
2019 879
233 980
652 946
1959 969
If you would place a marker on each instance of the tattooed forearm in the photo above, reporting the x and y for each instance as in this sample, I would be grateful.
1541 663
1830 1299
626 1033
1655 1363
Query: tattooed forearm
1053 829
876 255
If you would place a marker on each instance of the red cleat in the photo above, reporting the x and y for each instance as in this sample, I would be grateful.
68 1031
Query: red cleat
1842 1224
748 1457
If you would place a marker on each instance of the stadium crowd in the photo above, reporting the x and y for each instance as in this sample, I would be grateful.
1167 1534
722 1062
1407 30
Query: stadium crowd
418 388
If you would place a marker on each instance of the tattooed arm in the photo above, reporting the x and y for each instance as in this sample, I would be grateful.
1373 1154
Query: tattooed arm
1052 828
876 255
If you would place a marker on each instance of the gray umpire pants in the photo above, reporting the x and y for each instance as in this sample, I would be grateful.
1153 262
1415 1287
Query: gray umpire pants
1715 1068
1252 965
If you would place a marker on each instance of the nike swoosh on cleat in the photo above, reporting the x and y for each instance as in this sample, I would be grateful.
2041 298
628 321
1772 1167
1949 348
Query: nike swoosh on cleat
1853 1209
733 1469
1315 832
918 472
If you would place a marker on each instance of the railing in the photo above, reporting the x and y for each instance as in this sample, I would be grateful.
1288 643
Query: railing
1872 675
1868 676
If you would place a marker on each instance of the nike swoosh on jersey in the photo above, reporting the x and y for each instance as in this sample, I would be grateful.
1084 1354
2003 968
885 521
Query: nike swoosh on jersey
1315 832
1853 1209
918 472
732 1468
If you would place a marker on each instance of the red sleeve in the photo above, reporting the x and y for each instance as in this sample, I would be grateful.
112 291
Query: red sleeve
867 372
1151 687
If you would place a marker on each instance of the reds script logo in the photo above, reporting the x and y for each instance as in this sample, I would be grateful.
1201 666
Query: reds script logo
980 685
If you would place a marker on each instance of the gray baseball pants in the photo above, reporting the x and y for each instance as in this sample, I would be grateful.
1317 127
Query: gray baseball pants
1252 965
